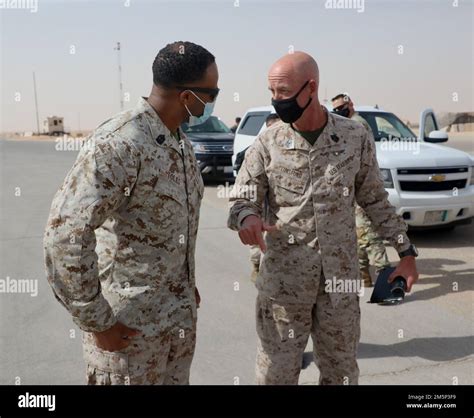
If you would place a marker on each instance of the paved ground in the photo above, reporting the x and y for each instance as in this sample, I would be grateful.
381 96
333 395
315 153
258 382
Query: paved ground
40 345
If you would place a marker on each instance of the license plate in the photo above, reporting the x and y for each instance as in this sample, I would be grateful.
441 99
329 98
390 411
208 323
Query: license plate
435 216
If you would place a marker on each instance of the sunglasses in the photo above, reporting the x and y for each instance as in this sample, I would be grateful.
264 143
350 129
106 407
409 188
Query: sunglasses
211 92
340 108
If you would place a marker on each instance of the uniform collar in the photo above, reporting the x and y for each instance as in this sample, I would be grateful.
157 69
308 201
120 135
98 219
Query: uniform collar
159 132
328 137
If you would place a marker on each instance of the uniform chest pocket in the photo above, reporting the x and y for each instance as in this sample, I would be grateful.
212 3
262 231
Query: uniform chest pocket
170 192
341 168
290 184
289 191
335 158
340 184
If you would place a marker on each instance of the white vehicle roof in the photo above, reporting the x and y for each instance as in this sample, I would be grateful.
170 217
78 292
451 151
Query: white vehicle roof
360 108
261 109
328 106
368 109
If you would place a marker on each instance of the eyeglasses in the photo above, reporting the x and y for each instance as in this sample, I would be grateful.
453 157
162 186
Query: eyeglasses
207 90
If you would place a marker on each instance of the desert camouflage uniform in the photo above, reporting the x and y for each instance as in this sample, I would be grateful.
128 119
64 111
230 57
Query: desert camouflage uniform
371 249
119 246
311 193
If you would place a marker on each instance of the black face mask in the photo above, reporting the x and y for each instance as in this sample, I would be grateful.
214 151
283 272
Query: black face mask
342 111
288 109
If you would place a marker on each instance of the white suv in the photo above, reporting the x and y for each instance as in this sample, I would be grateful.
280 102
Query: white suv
430 185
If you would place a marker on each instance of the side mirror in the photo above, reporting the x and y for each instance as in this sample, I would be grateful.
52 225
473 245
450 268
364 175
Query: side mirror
437 136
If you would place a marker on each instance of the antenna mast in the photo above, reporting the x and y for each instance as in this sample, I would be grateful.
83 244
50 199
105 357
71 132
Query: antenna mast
117 48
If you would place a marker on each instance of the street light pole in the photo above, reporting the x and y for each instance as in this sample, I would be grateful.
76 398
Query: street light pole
36 104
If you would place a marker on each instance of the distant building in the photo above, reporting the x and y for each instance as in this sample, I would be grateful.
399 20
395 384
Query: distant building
53 125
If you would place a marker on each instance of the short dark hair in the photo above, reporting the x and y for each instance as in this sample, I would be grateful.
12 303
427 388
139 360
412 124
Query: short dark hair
238 119
181 63
271 116
340 96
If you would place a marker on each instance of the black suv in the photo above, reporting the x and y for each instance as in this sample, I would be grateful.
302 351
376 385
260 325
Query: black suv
213 144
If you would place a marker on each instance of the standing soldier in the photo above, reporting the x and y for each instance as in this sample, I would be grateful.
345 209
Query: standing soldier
311 168
120 240
370 245
236 124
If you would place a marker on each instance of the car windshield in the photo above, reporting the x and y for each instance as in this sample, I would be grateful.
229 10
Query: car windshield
387 126
212 125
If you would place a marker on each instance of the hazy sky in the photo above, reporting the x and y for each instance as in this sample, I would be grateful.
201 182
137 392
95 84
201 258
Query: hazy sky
357 51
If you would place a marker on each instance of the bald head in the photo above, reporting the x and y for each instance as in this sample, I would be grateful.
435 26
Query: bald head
294 81
291 71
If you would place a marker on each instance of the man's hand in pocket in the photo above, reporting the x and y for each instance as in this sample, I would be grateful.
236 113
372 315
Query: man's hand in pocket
115 338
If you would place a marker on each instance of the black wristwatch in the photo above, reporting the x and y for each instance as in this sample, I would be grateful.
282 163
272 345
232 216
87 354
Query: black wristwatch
410 251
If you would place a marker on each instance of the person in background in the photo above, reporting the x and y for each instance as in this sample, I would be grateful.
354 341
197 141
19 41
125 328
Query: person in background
371 249
236 124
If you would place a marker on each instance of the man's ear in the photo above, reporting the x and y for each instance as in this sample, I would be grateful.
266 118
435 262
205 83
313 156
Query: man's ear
184 97
313 85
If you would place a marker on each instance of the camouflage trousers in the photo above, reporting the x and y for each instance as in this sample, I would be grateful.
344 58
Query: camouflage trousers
370 247
148 360
284 328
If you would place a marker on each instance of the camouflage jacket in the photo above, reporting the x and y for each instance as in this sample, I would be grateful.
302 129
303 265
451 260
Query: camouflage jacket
120 239
311 193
